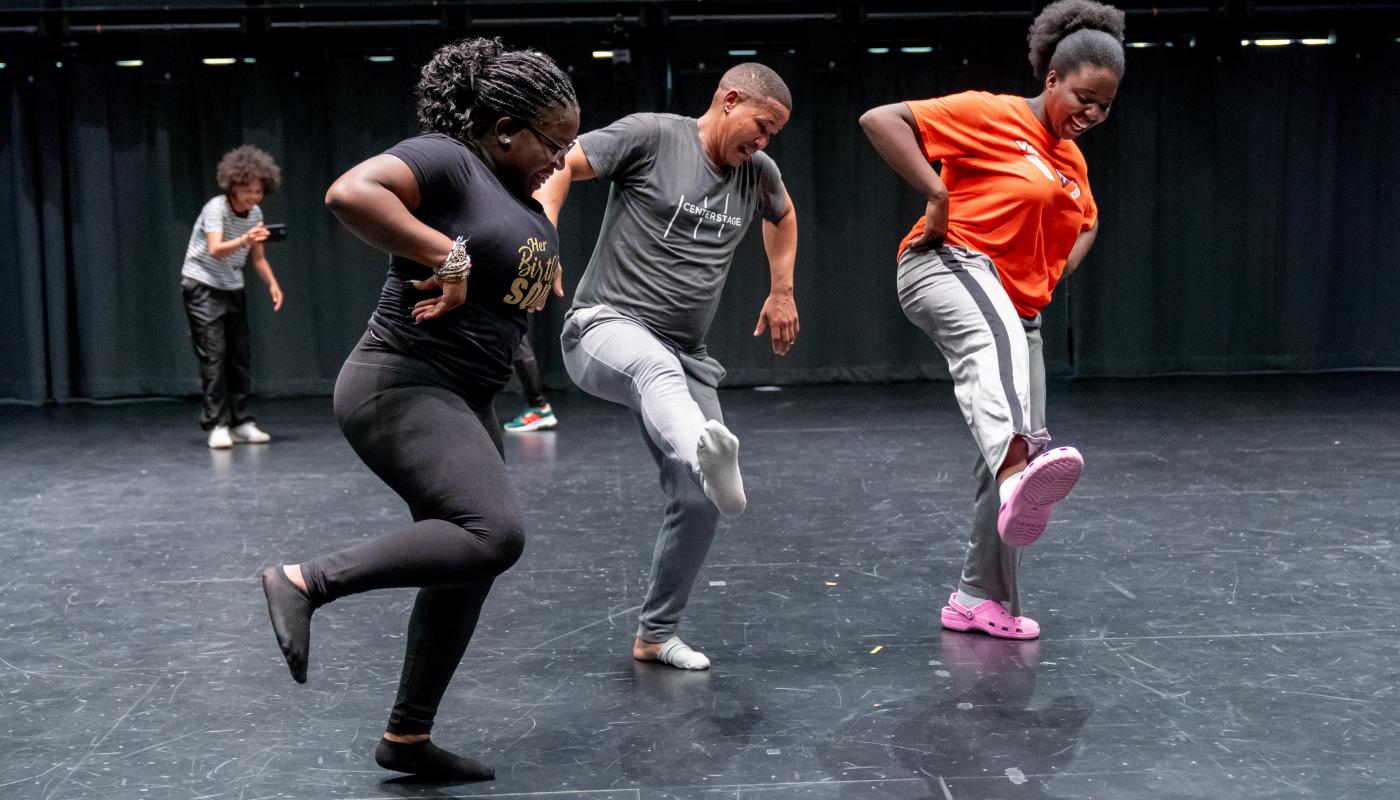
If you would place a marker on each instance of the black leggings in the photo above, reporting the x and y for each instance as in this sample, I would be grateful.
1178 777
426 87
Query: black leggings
443 456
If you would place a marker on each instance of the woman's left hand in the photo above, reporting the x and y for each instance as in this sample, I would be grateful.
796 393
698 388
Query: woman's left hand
453 295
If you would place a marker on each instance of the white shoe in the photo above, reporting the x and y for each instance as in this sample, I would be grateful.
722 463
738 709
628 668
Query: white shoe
219 438
248 433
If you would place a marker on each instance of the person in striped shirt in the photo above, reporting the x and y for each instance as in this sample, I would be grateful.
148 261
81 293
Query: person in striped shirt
228 234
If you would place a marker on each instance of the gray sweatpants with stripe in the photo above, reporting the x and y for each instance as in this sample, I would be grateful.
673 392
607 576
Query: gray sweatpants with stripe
997 363
672 395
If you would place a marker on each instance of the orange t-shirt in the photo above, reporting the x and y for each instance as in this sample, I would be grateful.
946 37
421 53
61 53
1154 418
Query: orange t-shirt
1015 193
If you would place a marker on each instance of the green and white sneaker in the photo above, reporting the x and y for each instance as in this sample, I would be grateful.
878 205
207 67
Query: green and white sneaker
533 419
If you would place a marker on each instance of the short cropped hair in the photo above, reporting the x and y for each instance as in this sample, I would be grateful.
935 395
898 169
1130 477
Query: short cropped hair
757 80
1071 33
245 164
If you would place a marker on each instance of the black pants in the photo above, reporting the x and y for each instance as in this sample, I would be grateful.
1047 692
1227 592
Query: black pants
443 456
219 329
528 371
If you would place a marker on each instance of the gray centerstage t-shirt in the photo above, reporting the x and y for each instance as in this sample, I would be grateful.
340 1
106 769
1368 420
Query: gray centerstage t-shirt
672 223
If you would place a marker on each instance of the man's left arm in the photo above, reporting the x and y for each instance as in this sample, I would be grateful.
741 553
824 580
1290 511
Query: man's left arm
1080 249
779 313
259 258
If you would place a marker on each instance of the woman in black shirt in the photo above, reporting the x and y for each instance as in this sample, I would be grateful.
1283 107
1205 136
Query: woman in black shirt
472 253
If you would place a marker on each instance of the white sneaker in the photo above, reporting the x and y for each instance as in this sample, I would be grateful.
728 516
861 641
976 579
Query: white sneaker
248 433
219 438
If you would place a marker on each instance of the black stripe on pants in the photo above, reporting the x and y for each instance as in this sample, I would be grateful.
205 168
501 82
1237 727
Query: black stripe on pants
1000 337
444 458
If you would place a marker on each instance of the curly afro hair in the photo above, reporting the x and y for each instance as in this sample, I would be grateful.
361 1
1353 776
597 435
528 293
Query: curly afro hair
246 164
1070 33
470 84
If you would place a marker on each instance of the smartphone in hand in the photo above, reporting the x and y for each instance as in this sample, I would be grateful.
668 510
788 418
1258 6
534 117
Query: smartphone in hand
276 232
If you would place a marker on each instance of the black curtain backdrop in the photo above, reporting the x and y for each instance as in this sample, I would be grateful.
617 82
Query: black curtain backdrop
1249 202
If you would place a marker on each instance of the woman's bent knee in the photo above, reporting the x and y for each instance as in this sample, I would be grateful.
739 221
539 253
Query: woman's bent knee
504 541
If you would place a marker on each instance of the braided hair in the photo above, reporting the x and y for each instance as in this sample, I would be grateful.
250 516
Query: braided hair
1071 33
470 84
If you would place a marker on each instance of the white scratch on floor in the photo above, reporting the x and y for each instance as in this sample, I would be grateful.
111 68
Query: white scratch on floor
152 747
608 619
1120 589
98 742
518 738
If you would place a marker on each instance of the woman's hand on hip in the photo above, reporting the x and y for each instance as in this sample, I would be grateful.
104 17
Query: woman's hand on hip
935 225
452 295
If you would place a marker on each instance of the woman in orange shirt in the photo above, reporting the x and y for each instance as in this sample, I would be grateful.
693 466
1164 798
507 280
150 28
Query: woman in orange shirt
1010 216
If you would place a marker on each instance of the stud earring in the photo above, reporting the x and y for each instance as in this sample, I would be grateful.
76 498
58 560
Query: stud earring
505 140
726 109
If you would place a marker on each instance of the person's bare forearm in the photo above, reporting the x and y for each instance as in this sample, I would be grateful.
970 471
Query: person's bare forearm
552 194
554 191
264 272
227 247
379 218
780 243
1080 249
892 132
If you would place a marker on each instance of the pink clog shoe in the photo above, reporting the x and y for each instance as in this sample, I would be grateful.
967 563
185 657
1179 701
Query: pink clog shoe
1046 481
989 617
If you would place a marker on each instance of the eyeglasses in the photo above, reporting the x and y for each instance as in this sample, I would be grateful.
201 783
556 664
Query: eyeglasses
559 149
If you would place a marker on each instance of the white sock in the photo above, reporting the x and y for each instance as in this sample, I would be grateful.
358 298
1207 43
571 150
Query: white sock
678 654
718 453
968 601
1008 485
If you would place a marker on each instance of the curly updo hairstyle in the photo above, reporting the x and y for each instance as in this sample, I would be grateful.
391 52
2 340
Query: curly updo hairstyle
470 84
1068 34
245 164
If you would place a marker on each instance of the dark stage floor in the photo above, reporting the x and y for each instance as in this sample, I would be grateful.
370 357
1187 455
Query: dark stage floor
1216 598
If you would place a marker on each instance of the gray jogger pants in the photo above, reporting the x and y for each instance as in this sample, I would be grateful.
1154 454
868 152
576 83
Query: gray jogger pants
672 395
998 368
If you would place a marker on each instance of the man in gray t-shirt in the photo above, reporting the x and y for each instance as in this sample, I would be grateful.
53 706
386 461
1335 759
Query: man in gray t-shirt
684 192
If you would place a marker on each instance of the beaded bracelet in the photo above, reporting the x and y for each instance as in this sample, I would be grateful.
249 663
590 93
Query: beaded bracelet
458 265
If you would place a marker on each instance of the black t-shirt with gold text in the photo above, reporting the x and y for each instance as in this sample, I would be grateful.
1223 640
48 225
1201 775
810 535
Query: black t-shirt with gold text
514 250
